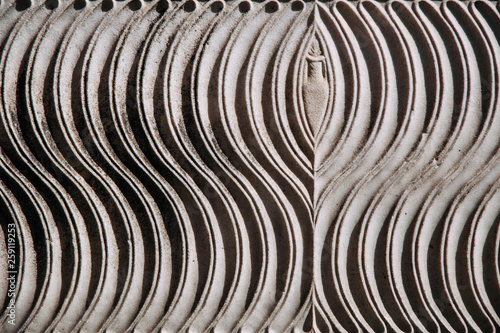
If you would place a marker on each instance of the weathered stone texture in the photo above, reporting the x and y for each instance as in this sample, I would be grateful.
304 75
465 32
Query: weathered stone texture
248 166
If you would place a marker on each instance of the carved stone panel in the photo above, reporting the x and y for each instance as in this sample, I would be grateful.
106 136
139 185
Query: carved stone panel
247 166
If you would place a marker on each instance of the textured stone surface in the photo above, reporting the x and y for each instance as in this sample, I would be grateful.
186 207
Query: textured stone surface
249 166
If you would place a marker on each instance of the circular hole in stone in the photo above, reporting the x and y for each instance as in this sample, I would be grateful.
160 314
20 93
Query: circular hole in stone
107 5
51 4
162 6
245 6
135 5
297 6
79 4
22 5
217 7
272 7
190 6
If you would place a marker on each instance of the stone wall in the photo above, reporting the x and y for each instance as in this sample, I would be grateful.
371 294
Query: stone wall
245 166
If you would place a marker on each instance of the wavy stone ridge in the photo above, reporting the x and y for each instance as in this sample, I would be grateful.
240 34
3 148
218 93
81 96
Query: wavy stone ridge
249 166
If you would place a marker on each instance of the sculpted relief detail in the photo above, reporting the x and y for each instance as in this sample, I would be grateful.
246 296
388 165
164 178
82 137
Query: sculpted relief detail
246 166
315 90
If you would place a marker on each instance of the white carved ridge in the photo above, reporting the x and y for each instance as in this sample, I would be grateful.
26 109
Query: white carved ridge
246 166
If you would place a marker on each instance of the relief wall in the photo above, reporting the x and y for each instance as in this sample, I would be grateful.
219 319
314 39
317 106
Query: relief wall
247 166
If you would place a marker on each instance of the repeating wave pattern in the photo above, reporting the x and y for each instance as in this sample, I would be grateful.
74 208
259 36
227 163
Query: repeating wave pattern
250 166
